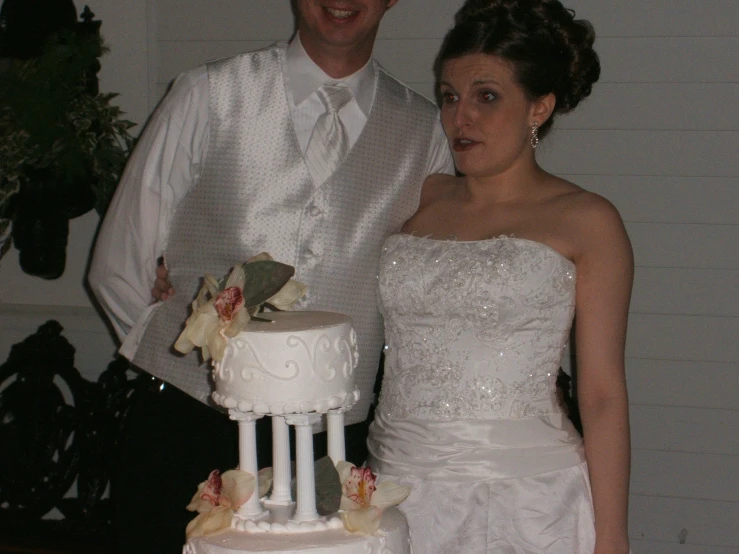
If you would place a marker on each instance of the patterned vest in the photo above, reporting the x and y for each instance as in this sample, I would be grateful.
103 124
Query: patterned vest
255 194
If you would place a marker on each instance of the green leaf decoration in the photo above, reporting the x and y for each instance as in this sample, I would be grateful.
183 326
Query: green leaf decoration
328 487
264 279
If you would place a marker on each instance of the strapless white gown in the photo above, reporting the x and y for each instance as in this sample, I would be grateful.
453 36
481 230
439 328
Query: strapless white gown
468 413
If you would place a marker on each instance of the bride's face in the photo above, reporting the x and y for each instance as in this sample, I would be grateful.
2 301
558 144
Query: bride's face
486 115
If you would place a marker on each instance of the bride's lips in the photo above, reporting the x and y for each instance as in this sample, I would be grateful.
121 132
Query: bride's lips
462 144
340 15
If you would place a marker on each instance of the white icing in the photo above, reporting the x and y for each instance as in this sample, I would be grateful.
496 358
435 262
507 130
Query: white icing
277 524
299 366
392 538
302 362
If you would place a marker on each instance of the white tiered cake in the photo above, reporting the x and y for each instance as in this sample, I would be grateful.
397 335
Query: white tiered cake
302 362
295 370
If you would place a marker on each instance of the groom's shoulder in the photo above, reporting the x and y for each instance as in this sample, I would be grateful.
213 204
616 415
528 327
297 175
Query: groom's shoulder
405 95
254 59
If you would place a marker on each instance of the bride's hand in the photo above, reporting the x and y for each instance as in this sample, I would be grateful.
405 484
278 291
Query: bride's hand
162 288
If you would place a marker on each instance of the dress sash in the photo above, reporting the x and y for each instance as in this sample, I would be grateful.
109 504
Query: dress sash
473 450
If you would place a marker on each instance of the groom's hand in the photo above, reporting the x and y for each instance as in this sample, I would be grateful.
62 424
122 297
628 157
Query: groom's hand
162 287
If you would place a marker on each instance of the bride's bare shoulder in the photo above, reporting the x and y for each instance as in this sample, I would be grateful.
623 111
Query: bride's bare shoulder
592 222
436 190
436 187
587 207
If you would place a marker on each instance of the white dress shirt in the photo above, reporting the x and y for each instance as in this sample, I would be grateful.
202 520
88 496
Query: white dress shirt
303 77
166 163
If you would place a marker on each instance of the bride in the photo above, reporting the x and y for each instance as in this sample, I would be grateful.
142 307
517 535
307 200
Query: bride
478 295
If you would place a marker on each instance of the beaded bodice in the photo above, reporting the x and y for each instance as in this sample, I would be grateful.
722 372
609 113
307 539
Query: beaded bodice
474 330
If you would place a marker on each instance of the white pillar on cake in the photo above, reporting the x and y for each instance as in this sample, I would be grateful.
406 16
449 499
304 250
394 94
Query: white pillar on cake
302 361
306 497
281 476
335 432
252 509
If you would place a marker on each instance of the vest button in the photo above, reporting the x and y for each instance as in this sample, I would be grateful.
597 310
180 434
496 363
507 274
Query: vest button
315 211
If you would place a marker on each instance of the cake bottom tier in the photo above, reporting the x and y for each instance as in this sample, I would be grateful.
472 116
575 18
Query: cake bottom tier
392 538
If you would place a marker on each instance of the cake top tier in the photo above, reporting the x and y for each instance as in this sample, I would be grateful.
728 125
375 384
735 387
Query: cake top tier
302 362
295 322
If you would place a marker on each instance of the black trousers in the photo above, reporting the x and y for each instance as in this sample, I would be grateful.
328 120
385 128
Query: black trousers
170 443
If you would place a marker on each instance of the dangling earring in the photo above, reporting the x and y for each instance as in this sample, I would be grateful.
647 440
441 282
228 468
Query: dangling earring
534 135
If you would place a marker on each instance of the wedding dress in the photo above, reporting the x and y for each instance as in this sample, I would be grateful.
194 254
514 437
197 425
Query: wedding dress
468 414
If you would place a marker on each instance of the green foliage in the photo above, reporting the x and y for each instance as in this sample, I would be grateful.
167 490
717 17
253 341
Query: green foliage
328 486
264 279
52 125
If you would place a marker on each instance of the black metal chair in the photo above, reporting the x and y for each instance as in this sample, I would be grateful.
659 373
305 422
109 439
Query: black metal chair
57 430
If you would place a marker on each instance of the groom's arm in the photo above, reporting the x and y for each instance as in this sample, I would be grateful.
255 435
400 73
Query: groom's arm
440 157
162 169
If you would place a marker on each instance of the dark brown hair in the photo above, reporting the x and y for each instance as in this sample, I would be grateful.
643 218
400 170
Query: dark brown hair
550 50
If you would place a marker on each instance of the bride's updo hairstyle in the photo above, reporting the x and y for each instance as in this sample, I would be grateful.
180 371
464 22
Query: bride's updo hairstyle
550 51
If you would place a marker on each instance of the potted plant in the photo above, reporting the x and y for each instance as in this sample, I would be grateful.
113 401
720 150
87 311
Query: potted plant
63 145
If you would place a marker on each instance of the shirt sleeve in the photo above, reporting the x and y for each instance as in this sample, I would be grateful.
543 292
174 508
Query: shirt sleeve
440 157
163 167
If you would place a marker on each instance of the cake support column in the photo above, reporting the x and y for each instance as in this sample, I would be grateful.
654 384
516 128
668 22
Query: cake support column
280 462
306 497
252 509
335 432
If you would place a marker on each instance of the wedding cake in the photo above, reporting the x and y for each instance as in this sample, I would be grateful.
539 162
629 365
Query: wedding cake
392 538
297 368
296 362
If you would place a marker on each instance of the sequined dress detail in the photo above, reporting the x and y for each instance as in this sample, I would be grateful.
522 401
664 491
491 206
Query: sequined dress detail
468 414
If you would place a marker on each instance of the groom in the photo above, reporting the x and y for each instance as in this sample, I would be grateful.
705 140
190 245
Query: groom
230 165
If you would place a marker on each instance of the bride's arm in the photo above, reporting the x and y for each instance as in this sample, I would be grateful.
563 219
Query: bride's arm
605 271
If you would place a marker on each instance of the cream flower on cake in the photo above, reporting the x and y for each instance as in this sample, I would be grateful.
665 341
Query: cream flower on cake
217 314
288 295
222 310
363 500
217 499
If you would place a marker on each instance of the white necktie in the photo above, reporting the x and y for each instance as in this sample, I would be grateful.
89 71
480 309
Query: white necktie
329 142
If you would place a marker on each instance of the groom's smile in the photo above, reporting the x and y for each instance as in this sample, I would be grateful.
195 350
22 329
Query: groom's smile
340 15
340 24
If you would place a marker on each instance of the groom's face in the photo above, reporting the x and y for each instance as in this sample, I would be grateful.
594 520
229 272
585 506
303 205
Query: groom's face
328 26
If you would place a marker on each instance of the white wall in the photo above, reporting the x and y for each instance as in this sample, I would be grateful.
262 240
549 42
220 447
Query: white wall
658 138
